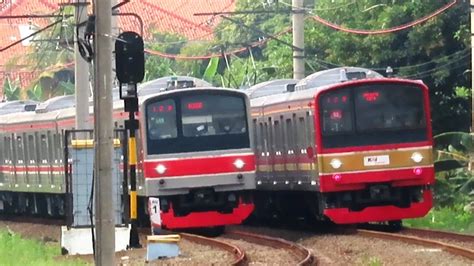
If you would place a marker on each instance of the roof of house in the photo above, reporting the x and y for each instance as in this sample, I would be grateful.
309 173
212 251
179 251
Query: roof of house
172 16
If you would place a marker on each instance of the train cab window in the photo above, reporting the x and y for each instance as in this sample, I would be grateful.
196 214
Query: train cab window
207 115
386 109
336 112
161 121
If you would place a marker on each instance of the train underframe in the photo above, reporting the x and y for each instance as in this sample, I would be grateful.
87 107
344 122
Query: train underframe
36 204
377 203
204 207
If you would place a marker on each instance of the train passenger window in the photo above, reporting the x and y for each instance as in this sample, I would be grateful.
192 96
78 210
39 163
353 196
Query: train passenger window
278 139
261 137
255 134
288 134
301 131
44 149
19 149
161 122
31 156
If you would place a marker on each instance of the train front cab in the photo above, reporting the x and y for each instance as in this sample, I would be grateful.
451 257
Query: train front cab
374 151
198 157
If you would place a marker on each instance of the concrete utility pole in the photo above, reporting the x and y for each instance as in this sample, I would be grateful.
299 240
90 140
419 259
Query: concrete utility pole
298 39
103 134
472 66
81 71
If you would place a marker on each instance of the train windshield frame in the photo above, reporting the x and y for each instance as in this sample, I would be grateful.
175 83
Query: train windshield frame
197 121
372 114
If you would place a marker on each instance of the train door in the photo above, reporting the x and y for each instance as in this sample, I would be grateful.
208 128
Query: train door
289 153
301 151
277 158
267 161
44 159
20 164
8 161
31 161
57 176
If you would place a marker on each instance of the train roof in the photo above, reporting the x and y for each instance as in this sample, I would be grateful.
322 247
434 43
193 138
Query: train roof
170 92
17 106
56 103
270 87
161 84
335 75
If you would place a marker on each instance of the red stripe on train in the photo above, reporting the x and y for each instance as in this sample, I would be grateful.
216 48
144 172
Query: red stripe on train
198 166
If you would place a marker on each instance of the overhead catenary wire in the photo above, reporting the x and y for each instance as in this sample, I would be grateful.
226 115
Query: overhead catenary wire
384 31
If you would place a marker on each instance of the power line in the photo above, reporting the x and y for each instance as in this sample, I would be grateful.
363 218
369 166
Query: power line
384 31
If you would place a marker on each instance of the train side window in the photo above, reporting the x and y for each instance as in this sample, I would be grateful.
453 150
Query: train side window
19 147
255 134
301 130
288 134
271 136
31 155
50 146
277 129
7 148
56 147
261 138
43 155
265 137
310 132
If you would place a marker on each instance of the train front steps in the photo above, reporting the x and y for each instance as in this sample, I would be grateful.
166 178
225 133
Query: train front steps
78 241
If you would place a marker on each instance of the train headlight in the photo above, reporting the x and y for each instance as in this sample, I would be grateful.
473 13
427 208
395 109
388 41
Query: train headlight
417 157
239 164
160 169
336 163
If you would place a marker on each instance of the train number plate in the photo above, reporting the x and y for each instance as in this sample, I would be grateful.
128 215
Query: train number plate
376 160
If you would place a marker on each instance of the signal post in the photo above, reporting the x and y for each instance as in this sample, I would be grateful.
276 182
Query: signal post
130 69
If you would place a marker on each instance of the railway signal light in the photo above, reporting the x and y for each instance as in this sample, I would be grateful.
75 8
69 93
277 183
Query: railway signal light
129 58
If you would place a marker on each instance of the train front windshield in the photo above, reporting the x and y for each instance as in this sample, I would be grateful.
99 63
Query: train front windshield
197 122
373 114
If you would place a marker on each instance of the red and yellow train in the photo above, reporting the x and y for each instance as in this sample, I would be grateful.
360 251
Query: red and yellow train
345 144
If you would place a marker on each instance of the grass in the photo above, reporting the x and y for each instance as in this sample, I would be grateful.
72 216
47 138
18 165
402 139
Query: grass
15 250
454 219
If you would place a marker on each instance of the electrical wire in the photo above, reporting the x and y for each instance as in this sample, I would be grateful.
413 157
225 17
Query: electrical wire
208 56
384 31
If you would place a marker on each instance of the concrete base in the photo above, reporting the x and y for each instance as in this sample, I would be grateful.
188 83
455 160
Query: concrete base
78 241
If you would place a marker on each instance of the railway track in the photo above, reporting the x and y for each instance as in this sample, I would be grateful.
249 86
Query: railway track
238 253
425 238
300 254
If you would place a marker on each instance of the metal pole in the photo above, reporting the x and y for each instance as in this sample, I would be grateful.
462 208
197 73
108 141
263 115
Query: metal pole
103 134
81 71
298 39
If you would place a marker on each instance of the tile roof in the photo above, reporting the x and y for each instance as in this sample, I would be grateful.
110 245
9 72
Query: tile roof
175 16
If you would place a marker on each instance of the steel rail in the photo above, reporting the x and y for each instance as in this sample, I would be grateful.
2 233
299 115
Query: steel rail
453 249
239 254
302 253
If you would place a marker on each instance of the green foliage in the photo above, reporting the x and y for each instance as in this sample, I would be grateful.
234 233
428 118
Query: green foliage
35 93
68 88
211 69
11 89
17 251
454 218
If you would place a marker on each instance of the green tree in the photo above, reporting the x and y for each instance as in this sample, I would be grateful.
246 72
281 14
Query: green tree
11 89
